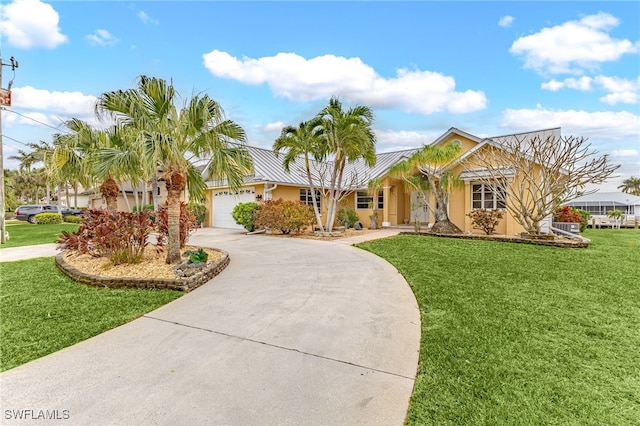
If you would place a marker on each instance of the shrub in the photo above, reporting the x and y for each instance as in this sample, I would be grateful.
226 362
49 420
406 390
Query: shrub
287 216
48 218
347 217
196 256
244 214
487 220
567 214
187 224
146 208
73 219
143 208
585 219
199 211
120 236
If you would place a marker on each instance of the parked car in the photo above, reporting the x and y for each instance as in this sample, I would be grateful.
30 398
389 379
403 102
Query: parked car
29 212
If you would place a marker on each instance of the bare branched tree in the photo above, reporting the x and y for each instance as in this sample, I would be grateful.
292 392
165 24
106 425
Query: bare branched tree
337 191
532 176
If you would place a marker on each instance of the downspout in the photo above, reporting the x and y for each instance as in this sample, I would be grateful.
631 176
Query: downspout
275 185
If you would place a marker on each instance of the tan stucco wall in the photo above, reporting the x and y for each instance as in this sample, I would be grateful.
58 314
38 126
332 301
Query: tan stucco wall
460 205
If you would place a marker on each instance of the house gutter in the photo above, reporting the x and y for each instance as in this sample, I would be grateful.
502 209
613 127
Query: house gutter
570 235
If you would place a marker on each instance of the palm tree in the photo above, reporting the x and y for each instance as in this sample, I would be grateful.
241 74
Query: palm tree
171 136
67 162
76 157
26 159
431 165
348 137
631 186
306 141
41 153
30 180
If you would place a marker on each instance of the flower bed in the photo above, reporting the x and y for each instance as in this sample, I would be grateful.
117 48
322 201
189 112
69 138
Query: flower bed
186 284
550 241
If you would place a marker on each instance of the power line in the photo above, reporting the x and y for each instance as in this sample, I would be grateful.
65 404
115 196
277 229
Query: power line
34 120
15 140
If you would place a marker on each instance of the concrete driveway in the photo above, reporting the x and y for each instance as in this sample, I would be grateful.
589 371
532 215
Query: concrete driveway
293 332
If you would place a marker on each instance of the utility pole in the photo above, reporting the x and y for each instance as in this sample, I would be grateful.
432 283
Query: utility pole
5 99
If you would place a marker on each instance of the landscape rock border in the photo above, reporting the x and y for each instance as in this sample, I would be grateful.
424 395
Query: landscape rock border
186 284
502 238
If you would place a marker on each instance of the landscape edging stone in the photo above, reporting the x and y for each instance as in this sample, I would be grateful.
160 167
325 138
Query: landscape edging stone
185 284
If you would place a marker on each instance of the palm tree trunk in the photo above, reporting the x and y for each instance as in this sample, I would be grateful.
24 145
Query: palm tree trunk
312 188
66 193
337 189
109 191
154 192
75 195
176 183
173 226
145 193
136 195
126 199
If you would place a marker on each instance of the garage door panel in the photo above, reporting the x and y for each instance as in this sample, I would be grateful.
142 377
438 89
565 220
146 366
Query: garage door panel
223 203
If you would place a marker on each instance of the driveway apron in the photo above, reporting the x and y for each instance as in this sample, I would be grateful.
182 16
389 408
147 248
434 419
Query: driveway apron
293 331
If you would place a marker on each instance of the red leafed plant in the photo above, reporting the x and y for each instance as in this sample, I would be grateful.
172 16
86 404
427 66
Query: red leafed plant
567 214
187 224
119 236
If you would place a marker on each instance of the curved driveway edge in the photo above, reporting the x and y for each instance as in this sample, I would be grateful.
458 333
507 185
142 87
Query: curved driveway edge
293 331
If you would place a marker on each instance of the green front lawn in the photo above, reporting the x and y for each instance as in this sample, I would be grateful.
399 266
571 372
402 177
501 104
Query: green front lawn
44 311
26 234
520 334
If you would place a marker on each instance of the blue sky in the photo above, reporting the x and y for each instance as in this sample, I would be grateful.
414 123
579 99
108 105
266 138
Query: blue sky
489 68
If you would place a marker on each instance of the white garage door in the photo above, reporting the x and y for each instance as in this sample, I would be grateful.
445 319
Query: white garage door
223 203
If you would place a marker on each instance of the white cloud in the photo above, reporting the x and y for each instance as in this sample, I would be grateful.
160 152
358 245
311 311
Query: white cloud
506 21
30 23
582 83
273 127
620 90
32 118
553 85
146 19
295 78
573 46
625 153
604 125
67 103
101 38
393 140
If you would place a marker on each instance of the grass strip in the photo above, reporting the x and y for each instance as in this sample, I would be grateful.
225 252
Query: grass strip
26 234
44 311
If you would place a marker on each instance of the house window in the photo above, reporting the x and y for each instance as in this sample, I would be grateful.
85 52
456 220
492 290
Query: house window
364 200
483 196
305 197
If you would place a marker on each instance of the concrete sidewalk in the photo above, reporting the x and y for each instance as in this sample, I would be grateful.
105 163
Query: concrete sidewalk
27 252
294 331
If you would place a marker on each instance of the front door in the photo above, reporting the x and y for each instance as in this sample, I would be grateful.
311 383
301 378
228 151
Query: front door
419 209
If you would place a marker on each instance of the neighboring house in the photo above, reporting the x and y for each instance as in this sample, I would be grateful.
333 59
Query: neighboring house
395 204
97 202
82 199
600 203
